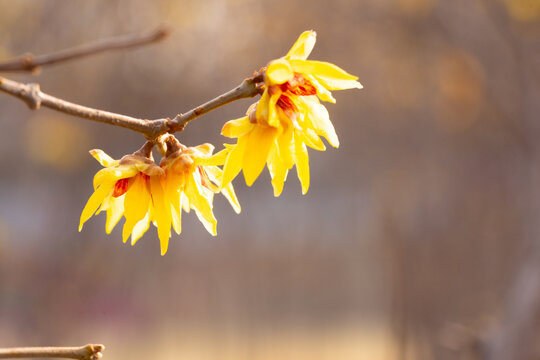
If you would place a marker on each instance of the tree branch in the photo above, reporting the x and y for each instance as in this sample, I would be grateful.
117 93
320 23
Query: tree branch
29 62
87 352
248 88
151 129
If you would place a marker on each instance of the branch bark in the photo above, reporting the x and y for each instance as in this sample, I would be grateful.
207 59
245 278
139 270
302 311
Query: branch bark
32 95
87 352
248 88
31 63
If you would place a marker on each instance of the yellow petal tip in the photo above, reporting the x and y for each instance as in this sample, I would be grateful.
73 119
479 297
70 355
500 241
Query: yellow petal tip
250 177
164 249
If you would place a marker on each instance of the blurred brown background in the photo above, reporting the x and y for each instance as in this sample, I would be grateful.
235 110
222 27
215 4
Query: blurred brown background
418 238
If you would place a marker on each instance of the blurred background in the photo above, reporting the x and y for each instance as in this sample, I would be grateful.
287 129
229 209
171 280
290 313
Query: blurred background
418 238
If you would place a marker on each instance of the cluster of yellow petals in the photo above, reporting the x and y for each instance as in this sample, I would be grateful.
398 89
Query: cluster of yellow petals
145 193
287 118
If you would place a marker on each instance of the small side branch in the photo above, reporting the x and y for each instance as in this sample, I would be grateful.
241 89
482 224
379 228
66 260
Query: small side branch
87 352
31 63
248 88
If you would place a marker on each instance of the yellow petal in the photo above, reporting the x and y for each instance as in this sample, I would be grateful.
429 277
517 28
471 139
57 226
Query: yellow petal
312 139
278 171
127 229
106 203
173 185
176 217
149 169
278 72
205 149
233 165
136 206
162 213
216 174
230 195
140 228
320 119
302 163
322 92
284 142
237 127
211 227
184 202
258 147
273 119
201 202
218 158
321 68
303 46
137 200
337 84
114 173
266 111
114 213
95 201
261 111
102 158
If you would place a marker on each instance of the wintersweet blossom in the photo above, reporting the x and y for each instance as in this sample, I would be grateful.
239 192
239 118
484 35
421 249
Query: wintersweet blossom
145 193
123 187
191 179
287 118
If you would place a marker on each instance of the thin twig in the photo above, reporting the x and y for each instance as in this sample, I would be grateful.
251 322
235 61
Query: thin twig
87 352
29 62
248 88
151 129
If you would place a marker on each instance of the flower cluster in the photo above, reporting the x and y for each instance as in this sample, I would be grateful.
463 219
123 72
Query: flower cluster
145 193
275 132
287 118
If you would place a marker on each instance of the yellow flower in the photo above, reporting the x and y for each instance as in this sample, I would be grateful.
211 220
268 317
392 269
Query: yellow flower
191 179
287 118
125 187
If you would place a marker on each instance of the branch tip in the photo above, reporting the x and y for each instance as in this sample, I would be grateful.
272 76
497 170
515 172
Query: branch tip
32 63
162 32
94 351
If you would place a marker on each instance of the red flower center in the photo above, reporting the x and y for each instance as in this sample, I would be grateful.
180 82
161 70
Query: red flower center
299 85
123 185
286 104
120 187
